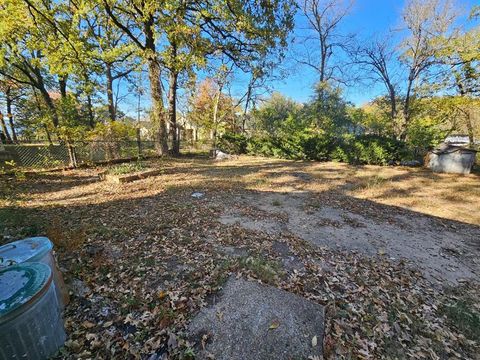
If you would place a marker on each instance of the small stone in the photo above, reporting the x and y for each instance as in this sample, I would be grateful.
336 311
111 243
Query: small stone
220 155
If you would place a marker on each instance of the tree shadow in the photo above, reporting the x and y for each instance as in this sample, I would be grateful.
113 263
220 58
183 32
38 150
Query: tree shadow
128 249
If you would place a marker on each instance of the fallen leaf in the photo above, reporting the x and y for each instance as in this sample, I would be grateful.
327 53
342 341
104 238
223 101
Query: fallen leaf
275 324
87 324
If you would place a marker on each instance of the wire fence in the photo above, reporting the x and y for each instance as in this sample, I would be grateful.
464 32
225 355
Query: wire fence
44 155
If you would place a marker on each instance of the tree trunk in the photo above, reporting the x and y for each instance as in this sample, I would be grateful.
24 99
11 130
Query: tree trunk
62 81
215 119
91 117
139 143
5 130
172 111
70 146
10 114
111 103
158 116
393 102
406 110
322 64
49 138
72 155
245 109
48 101
471 137
10 120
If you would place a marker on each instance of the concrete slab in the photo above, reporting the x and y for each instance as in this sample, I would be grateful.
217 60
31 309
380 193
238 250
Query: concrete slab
254 321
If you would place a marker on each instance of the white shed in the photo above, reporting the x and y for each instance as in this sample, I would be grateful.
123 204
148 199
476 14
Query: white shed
451 159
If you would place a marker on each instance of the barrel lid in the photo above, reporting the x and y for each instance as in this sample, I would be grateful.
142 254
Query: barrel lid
21 283
29 249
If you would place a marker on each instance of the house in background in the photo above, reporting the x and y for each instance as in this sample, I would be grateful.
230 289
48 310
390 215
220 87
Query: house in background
186 131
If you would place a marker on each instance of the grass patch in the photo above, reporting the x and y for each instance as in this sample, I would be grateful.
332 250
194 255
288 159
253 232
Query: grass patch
462 314
372 182
266 270
22 222
126 168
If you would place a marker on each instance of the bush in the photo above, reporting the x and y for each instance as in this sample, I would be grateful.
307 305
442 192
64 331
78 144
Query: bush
233 143
369 149
113 131
340 154
275 146
320 146
126 168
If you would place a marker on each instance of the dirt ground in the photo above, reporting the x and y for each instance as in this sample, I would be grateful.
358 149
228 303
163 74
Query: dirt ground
392 253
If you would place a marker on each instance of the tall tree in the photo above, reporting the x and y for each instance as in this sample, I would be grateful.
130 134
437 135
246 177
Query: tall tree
241 30
325 40
140 22
377 60
461 59
114 55
185 50
38 46
429 29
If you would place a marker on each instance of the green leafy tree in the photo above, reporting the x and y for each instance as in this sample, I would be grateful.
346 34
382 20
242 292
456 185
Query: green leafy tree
328 110
243 31
212 110
274 113
429 27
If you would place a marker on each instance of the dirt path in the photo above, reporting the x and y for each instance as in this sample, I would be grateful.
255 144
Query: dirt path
441 250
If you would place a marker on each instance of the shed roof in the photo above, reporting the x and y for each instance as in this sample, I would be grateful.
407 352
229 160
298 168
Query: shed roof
445 148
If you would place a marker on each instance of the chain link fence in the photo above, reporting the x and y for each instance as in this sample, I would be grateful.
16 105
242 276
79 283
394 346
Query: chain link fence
43 155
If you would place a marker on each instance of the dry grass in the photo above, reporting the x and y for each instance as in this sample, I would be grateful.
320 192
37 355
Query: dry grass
144 247
448 196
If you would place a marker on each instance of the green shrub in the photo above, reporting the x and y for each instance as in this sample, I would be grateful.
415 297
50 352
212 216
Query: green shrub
233 143
318 146
307 144
126 168
339 154
262 146
279 147
369 149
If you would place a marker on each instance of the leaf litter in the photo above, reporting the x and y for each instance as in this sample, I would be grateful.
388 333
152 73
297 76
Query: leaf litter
147 253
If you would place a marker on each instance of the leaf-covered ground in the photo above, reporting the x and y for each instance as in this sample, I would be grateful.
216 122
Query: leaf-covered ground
142 258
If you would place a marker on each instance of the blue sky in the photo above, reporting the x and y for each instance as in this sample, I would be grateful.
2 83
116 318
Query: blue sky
367 18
